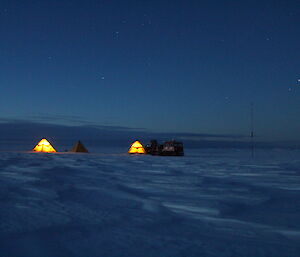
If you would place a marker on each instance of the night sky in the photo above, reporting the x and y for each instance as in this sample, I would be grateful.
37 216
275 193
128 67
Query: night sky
162 66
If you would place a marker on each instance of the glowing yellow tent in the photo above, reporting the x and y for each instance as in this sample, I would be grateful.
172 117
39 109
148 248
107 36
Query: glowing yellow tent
44 146
137 147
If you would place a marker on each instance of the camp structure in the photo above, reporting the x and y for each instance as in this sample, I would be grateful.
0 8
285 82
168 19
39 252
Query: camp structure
44 146
170 148
79 148
136 148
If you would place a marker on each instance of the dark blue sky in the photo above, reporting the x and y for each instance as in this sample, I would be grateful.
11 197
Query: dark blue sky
165 66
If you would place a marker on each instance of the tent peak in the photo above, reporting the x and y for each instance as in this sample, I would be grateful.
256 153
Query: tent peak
44 146
136 147
78 148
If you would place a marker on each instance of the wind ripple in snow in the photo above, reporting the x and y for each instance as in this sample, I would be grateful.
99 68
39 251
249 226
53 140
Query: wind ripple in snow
208 203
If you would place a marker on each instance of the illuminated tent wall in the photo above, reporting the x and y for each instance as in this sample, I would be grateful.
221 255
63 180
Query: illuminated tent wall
44 146
136 147
79 148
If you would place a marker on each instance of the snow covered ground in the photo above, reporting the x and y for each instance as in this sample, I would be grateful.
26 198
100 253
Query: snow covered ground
207 203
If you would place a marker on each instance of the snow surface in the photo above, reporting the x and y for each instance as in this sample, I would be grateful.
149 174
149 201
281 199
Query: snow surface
207 203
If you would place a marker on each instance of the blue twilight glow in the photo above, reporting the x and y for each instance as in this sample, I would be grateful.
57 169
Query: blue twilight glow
179 66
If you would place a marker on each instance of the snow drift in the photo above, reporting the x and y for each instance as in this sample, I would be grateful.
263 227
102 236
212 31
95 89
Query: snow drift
208 203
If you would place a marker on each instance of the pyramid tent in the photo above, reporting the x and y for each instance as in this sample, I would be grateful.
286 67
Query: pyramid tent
79 148
136 147
44 146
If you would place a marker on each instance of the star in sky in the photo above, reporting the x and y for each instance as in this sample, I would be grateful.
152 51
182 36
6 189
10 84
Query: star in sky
181 49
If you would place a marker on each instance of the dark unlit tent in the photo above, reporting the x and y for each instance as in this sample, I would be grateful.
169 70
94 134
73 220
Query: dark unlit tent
79 148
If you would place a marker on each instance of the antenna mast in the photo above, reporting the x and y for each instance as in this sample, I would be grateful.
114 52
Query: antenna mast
252 127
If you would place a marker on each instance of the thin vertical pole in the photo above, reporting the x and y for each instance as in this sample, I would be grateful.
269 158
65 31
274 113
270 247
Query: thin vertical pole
252 128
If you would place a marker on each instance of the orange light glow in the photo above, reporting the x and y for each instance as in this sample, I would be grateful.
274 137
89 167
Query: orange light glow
44 146
137 147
